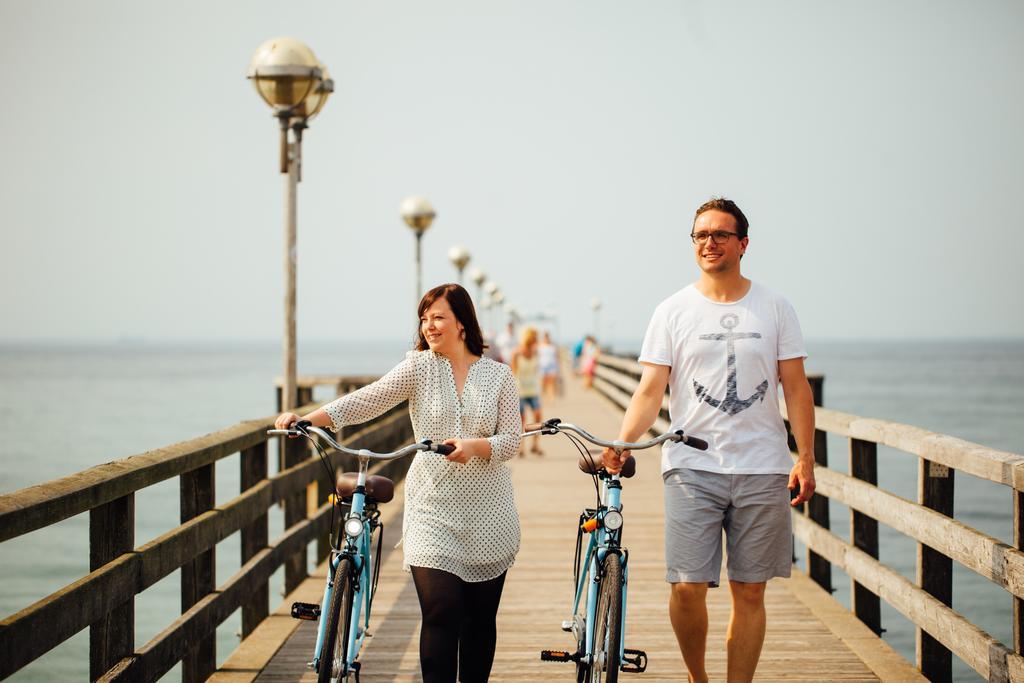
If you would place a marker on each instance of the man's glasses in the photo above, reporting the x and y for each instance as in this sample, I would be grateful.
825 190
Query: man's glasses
719 236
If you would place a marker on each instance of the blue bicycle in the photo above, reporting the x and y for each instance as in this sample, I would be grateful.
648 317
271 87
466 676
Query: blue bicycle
599 606
354 570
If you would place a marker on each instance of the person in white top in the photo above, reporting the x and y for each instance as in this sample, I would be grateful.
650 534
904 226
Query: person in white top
547 353
506 342
723 345
525 364
461 527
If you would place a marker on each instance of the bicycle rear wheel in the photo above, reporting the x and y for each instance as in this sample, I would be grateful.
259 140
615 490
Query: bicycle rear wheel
339 621
604 666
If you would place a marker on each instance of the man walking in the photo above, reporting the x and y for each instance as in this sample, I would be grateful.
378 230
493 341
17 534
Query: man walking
724 343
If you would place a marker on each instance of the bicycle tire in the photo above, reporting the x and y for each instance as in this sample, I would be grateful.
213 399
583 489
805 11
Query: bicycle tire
339 621
608 620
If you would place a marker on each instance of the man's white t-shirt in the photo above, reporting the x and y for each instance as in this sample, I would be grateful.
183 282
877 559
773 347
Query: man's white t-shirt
724 378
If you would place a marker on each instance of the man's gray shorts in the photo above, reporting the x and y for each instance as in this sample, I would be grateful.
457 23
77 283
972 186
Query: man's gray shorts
754 511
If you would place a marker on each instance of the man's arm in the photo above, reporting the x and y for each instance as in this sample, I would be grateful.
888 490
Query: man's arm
642 412
800 406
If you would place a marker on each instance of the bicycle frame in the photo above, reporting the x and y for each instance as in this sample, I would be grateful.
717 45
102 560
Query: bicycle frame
602 541
353 546
358 550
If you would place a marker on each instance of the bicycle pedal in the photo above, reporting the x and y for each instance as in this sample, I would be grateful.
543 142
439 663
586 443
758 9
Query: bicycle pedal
633 662
557 656
305 611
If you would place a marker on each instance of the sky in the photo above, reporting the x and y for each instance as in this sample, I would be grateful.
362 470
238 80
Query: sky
876 148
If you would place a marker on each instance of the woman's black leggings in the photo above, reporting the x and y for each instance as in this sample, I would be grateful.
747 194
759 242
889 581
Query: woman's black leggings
458 631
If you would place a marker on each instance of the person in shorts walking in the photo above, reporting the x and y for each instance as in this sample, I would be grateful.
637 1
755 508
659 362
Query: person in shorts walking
724 344
525 365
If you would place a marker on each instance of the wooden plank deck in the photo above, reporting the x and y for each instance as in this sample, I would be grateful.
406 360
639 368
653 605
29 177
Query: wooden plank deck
810 637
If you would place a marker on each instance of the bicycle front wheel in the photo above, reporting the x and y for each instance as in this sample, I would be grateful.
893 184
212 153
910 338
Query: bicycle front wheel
604 665
334 655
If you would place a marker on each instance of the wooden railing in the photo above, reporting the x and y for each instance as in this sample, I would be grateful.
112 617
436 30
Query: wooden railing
940 538
103 600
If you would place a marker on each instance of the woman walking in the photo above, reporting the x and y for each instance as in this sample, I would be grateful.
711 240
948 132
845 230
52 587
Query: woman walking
461 528
526 367
588 360
547 352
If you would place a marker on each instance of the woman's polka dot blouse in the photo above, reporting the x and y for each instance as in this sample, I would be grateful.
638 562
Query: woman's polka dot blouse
460 518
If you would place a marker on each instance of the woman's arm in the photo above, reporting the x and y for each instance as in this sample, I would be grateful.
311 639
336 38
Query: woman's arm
370 401
505 443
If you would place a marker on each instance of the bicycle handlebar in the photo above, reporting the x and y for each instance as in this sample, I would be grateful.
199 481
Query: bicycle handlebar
305 428
554 425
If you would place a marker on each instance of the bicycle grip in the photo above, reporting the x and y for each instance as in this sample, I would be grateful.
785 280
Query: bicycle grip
694 442
443 448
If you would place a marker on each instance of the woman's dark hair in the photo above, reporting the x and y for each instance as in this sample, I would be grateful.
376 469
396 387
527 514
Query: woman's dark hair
462 306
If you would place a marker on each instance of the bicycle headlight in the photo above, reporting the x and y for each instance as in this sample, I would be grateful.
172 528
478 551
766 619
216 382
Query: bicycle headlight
613 520
353 526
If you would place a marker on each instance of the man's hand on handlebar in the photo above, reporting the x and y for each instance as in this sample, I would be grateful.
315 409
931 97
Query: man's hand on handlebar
613 461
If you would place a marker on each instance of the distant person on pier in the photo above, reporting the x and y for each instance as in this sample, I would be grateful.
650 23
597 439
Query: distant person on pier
526 367
588 360
724 343
547 352
577 352
507 342
491 349
456 551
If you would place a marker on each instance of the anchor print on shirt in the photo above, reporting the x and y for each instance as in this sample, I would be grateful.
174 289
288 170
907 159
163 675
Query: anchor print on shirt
732 403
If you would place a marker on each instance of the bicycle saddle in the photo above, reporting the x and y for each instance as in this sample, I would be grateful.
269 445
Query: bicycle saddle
378 489
591 464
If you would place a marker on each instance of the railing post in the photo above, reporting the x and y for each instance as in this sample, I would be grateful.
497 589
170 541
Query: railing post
255 537
111 534
198 577
295 505
817 507
1018 542
935 570
864 532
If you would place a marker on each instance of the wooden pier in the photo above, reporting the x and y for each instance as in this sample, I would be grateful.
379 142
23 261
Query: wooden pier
810 635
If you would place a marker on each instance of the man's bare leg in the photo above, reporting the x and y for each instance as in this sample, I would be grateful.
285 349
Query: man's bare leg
746 630
687 608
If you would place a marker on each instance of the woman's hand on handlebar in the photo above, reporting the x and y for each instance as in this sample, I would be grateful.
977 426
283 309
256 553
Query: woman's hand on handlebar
317 418
286 420
461 453
613 461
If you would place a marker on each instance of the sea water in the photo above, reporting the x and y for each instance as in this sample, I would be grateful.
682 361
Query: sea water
64 408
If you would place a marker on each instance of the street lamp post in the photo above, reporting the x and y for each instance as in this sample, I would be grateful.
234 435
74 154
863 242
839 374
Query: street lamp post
459 256
289 78
485 317
497 299
418 214
491 289
478 277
